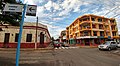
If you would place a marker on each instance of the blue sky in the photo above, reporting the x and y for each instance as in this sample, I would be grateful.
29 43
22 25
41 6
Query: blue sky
58 14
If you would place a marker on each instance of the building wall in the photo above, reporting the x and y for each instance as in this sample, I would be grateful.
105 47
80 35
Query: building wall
28 28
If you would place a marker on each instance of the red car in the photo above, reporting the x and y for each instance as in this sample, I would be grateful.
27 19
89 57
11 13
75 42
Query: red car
57 45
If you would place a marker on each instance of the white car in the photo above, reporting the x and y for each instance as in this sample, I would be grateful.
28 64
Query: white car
118 45
109 45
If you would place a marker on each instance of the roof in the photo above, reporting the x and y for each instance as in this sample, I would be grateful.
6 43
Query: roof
34 24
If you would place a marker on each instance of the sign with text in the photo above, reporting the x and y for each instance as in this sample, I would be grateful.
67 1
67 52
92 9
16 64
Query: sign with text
31 10
13 8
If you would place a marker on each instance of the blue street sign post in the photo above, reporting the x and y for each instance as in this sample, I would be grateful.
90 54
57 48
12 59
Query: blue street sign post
20 34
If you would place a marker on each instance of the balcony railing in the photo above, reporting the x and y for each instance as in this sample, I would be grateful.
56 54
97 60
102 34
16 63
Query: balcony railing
85 35
88 27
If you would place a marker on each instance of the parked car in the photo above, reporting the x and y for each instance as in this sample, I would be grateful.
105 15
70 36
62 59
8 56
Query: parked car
57 44
118 45
65 44
109 45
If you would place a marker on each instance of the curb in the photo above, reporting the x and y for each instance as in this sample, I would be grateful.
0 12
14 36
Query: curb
88 46
24 49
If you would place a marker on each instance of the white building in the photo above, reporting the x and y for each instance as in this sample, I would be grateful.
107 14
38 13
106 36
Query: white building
9 35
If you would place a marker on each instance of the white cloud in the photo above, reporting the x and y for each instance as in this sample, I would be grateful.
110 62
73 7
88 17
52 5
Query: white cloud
29 2
57 19
48 5
34 2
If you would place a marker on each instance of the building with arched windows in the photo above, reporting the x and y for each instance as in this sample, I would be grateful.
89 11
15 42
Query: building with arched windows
9 35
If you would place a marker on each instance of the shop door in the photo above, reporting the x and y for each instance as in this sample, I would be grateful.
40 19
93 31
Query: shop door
41 38
87 42
6 39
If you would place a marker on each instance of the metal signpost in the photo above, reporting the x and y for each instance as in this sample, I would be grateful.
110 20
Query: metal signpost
19 38
17 8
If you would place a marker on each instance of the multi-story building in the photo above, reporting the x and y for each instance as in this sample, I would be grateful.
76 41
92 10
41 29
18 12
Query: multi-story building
63 36
92 30
9 35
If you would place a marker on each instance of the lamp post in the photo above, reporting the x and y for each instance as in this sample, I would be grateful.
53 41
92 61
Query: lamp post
36 33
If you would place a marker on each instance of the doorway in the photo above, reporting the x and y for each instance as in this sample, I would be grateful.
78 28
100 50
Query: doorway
41 38
87 42
6 40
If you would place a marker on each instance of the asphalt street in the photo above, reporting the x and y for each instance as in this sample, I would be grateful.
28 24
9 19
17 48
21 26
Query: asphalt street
61 57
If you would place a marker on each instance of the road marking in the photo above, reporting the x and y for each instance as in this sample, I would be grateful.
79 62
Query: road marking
28 62
66 47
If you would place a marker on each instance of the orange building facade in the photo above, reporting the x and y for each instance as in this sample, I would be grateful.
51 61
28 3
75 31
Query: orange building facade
92 30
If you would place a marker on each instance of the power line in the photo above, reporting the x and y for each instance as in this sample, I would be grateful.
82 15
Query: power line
116 15
111 11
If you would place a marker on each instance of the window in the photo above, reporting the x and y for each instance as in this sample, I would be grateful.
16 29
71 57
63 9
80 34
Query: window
112 21
100 26
16 37
85 19
99 20
1 29
93 19
94 26
113 42
113 27
106 27
107 33
29 38
95 33
104 20
101 33
86 33
114 33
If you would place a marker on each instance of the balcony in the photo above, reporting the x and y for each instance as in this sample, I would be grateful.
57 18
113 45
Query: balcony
76 31
94 26
116 37
83 22
101 27
114 29
113 23
86 28
87 34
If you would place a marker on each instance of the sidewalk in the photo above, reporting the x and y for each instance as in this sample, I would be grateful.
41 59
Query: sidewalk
25 49
88 46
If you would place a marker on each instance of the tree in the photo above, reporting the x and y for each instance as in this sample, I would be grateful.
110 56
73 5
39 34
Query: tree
9 17
52 40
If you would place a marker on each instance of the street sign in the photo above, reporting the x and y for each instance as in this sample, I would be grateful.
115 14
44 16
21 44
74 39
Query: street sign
31 10
13 8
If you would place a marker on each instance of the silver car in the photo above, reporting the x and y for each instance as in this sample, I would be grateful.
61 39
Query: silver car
109 45
118 45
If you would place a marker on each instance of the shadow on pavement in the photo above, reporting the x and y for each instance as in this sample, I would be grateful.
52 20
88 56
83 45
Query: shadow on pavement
7 61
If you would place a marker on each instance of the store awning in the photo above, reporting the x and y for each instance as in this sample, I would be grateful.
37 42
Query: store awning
100 36
86 37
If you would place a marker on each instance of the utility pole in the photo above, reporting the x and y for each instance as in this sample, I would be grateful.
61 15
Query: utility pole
36 33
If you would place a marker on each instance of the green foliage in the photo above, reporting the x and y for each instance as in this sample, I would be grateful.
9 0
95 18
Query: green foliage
9 18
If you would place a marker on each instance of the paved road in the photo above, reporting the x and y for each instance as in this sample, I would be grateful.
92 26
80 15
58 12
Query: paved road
62 57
